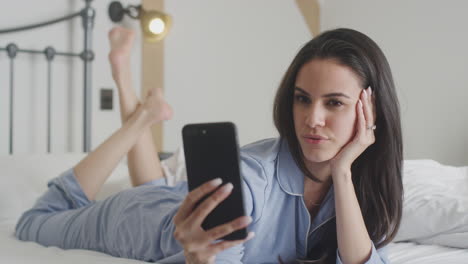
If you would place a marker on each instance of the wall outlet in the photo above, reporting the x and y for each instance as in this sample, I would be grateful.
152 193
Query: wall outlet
107 99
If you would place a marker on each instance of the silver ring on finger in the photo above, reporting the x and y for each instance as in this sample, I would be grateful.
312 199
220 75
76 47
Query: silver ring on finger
372 127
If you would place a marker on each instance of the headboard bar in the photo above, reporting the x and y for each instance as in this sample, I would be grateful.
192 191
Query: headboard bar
87 56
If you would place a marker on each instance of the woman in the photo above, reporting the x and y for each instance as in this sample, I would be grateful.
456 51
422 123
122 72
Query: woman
328 189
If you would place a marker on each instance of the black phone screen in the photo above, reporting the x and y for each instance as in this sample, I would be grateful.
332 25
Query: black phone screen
211 151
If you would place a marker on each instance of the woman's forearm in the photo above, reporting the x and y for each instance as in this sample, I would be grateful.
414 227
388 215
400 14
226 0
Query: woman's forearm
354 243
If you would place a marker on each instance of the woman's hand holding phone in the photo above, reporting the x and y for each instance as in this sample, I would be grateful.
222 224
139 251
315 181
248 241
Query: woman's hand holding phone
198 244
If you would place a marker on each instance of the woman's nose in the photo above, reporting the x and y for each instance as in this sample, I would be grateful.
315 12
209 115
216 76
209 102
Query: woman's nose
315 116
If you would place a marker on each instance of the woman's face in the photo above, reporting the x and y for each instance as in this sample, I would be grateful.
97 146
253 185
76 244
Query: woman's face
324 108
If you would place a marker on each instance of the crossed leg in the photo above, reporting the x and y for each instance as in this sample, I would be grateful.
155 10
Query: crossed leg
134 137
143 161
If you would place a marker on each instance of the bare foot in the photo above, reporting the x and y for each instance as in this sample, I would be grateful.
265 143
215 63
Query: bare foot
121 42
158 108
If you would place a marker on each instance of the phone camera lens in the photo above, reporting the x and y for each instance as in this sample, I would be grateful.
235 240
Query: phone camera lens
203 131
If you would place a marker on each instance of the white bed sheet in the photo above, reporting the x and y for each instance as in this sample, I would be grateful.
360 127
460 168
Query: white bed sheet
412 253
14 251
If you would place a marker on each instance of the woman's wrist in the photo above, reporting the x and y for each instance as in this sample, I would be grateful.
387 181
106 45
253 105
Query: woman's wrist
341 175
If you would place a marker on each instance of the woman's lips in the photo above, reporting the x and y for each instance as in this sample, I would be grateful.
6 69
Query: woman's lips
315 139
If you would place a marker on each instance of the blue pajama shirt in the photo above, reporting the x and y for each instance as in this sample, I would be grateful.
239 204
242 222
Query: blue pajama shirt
137 223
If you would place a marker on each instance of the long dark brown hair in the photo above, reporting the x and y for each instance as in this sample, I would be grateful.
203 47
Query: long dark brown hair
376 173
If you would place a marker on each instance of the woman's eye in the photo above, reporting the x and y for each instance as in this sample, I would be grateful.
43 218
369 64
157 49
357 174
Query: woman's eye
335 103
302 98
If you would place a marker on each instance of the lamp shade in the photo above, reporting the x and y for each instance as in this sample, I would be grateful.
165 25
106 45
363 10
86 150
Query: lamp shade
154 24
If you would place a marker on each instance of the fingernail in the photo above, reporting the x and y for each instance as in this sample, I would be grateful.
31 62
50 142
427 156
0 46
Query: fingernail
365 93
360 103
227 187
216 182
246 220
370 90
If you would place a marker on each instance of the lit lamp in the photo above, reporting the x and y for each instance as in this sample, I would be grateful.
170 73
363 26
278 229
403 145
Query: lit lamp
154 24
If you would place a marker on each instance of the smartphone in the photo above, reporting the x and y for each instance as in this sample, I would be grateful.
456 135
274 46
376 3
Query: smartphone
211 151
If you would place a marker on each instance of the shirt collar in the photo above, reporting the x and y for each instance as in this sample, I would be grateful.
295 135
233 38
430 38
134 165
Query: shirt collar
291 180
290 177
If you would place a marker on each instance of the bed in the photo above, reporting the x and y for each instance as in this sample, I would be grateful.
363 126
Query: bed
411 252
434 226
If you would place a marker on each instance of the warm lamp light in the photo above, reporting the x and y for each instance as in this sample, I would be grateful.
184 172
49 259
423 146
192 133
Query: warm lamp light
154 24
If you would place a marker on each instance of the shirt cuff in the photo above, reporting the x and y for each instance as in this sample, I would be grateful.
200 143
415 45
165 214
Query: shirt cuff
71 188
375 257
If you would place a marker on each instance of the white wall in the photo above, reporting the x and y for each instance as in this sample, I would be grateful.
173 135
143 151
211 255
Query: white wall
224 61
425 43
31 82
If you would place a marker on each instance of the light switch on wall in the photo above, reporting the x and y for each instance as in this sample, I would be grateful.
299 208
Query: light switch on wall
107 98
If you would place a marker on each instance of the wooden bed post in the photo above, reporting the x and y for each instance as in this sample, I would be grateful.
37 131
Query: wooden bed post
310 10
153 68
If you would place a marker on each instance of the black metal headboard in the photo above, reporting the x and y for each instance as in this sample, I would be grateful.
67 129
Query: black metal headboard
87 15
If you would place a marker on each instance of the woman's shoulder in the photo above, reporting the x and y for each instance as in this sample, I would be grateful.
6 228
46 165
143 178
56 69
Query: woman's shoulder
265 150
258 170
258 159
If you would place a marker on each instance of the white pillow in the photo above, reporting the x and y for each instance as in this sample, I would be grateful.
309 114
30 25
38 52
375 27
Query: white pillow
174 167
435 208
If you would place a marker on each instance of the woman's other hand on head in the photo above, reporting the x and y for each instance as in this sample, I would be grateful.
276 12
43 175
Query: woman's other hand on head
364 136
198 244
